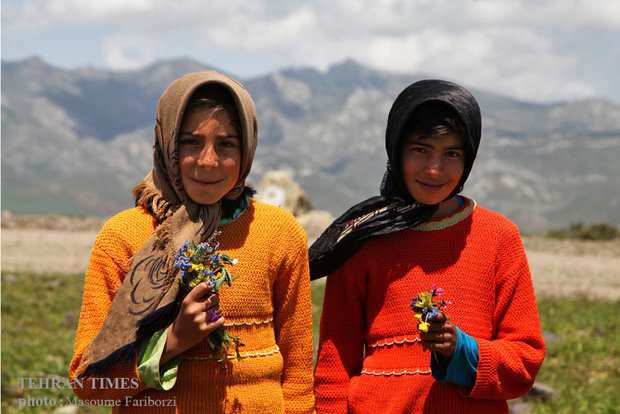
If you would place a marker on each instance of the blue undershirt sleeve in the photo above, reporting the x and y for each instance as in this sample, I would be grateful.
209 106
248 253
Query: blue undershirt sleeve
461 369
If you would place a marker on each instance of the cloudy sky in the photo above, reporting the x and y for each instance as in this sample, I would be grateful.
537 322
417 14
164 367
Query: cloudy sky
537 50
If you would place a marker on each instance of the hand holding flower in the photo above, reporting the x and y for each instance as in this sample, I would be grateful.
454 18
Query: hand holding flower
436 329
441 335
194 322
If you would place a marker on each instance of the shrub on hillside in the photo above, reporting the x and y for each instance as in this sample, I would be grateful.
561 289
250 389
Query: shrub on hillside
596 231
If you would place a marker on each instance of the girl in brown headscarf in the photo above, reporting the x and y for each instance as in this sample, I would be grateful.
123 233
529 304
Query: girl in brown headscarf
143 340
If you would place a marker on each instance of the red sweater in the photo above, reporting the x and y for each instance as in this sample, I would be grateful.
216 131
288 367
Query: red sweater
369 357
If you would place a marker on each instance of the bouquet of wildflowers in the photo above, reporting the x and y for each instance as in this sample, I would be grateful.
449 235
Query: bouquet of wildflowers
204 263
425 308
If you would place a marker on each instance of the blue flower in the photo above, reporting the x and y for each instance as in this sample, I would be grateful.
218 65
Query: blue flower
431 313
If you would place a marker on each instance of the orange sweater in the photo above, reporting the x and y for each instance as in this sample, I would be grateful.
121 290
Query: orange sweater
369 358
268 307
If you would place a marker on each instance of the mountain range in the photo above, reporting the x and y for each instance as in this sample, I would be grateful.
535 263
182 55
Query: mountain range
77 141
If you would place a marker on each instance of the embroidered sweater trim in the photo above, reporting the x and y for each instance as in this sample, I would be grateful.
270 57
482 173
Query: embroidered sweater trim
387 342
394 372
451 220
249 323
274 350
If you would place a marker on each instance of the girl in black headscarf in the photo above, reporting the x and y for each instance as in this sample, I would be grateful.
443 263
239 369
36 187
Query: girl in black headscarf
420 235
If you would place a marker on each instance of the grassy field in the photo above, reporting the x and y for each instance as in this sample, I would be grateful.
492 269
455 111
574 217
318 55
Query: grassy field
583 357
39 318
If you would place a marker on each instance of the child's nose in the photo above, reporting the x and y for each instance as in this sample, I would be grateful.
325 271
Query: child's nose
434 165
208 157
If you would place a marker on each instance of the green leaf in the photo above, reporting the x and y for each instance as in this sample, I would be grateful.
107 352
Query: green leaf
218 284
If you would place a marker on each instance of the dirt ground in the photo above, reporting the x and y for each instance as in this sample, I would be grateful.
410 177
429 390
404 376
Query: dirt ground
58 244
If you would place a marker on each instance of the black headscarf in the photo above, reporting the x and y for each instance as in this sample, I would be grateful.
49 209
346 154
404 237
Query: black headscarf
395 209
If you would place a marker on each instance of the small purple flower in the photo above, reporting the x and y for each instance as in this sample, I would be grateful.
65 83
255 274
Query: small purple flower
214 316
435 291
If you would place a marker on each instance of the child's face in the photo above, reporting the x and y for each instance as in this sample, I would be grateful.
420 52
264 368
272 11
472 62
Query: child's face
209 155
432 166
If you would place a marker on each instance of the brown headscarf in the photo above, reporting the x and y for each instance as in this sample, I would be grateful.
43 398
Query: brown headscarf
146 300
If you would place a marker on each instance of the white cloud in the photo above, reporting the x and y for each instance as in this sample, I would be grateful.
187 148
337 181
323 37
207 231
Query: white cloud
40 14
263 32
128 51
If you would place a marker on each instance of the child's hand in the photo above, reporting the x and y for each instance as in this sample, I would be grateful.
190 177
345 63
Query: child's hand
441 335
200 315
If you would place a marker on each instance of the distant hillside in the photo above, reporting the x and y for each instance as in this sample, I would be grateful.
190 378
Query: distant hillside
77 141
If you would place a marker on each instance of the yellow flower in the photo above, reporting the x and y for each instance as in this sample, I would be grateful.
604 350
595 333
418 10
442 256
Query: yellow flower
423 326
418 315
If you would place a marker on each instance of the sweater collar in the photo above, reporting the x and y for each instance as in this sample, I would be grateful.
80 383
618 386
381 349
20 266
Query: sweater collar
454 218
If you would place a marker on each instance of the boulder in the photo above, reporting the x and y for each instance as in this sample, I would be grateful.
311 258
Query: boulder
279 189
314 222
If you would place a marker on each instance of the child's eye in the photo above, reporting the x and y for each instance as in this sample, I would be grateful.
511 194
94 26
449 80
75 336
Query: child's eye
454 154
229 143
188 141
421 150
